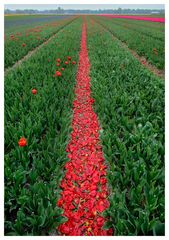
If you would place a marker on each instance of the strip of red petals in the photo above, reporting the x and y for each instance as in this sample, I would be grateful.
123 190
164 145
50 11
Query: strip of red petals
84 188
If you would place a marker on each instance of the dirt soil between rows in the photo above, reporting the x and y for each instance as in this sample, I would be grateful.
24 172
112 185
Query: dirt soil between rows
31 52
159 73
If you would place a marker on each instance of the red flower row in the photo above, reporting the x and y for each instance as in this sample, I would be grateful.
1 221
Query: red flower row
84 195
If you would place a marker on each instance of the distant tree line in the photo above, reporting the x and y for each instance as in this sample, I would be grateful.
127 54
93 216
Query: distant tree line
59 10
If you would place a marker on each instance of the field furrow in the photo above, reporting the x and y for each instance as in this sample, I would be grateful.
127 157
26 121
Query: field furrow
84 127
19 44
145 46
129 102
142 60
38 103
84 195
31 52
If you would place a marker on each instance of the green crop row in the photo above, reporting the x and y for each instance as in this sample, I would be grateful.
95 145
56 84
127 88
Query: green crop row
145 29
17 45
33 172
146 24
129 102
145 45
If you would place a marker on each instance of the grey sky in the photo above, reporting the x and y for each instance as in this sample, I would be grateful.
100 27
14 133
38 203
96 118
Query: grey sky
82 6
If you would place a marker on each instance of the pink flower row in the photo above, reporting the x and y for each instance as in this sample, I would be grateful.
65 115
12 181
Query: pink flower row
151 19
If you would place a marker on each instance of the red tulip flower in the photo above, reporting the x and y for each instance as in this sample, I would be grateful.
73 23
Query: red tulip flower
34 91
58 60
69 58
23 44
22 142
66 63
62 69
57 74
57 64
73 62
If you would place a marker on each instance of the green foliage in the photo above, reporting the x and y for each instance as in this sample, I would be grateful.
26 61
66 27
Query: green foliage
32 37
129 102
33 173
147 40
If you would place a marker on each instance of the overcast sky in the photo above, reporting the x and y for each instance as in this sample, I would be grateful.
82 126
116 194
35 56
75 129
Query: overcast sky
82 6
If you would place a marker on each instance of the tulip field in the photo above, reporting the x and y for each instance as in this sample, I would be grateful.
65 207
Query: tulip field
23 40
84 127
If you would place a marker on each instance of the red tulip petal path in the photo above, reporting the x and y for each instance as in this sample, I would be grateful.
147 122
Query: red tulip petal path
84 187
